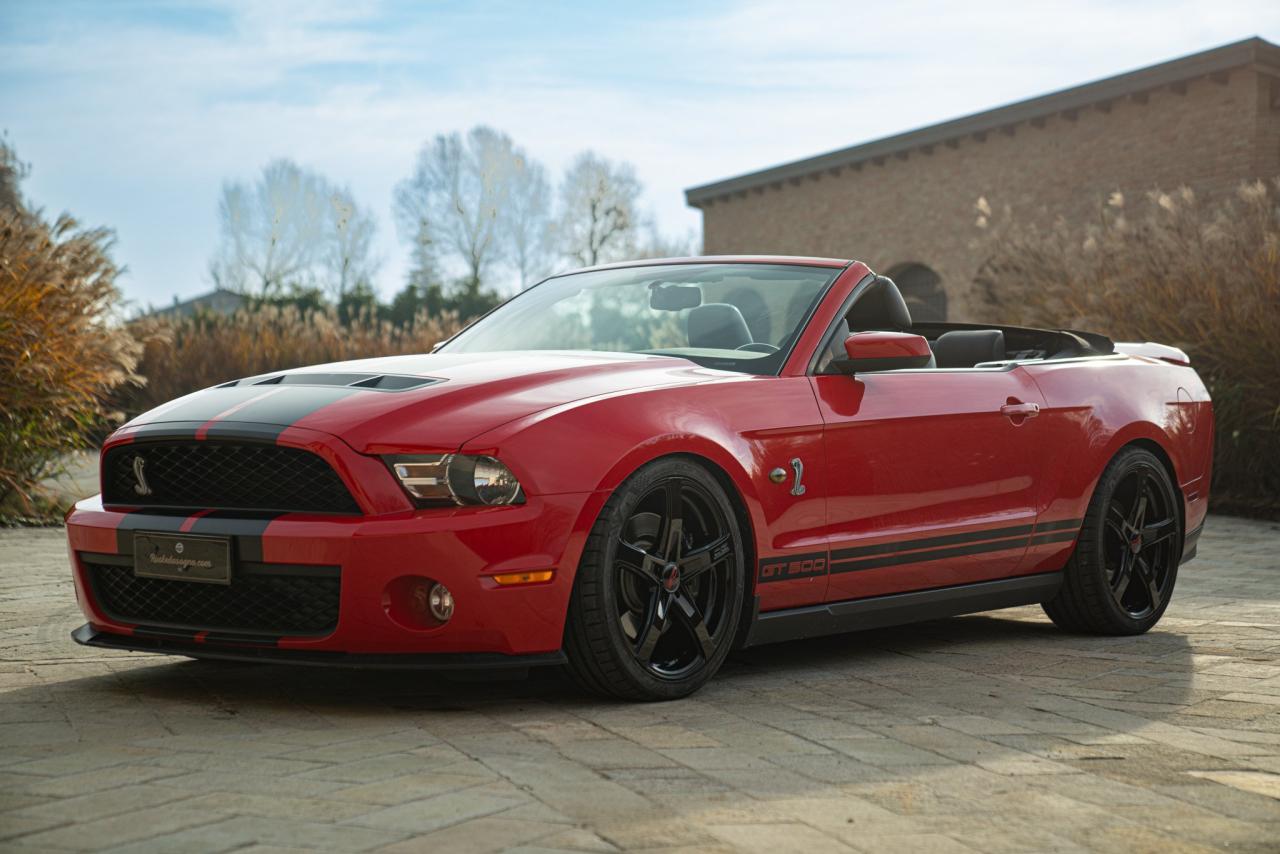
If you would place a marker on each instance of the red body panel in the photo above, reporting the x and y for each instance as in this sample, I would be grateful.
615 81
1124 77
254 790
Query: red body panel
912 479
927 454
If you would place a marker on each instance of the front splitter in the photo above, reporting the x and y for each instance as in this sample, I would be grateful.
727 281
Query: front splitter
87 635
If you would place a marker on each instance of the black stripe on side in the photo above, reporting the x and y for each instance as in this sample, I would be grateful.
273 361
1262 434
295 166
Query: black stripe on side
931 542
927 556
1060 525
1056 537
790 567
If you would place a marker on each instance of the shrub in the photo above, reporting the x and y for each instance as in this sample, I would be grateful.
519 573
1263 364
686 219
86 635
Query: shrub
61 355
1201 277
181 355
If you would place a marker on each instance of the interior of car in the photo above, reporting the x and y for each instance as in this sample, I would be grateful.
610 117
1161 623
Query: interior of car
880 307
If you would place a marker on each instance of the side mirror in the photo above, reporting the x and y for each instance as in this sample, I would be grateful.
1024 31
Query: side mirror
883 351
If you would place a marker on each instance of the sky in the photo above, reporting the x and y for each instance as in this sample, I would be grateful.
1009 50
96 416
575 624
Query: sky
134 114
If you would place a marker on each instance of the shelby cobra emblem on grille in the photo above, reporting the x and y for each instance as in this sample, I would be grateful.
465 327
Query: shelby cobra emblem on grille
141 486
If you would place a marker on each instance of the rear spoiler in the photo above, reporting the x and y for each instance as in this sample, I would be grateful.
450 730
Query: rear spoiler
1151 350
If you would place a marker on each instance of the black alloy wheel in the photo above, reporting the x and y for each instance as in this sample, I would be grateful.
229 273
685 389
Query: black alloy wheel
673 561
1120 577
1138 544
660 589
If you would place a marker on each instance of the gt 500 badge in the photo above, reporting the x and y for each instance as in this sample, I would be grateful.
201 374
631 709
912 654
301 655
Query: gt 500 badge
785 569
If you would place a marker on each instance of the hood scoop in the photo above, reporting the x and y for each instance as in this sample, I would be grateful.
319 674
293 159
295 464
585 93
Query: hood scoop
374 382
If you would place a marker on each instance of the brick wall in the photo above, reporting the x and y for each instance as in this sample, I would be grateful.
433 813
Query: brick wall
918 205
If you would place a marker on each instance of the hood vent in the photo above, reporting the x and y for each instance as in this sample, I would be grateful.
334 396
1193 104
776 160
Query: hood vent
375 382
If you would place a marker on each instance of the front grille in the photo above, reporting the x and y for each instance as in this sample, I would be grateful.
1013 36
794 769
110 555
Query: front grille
266 604
223 475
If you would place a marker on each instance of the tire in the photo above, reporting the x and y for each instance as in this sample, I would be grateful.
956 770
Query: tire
1120 577
656 604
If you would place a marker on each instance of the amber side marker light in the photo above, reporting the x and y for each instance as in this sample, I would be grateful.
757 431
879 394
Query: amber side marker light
507 579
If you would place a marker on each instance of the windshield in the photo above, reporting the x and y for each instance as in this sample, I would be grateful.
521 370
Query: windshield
737 317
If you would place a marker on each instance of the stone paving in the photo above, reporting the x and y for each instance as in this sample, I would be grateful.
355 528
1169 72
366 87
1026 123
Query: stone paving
993 733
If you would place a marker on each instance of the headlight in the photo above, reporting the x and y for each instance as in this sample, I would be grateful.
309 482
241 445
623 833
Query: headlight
433 480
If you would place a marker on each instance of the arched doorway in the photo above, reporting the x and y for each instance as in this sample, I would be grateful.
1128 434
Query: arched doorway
922 289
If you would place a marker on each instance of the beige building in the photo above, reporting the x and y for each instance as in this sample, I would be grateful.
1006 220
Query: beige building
906 204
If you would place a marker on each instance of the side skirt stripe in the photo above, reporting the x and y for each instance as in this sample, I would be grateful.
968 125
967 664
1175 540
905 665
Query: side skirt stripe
931 542
1061 524
922 557
1058 537
924 550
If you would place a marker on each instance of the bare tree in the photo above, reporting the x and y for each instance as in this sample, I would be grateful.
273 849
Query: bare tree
459 187
526 218
425 269
291 228
346 255
598 216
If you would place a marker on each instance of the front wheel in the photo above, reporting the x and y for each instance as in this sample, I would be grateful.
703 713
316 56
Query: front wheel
660 586
1120 577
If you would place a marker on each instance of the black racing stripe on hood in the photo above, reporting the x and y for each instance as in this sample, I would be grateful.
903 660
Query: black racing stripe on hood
201 406
267 433
163 430
285 407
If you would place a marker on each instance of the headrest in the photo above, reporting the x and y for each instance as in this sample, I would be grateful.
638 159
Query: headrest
718 326
880 306
965 348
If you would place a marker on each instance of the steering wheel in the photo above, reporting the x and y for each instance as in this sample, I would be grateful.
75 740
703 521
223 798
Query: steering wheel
758 347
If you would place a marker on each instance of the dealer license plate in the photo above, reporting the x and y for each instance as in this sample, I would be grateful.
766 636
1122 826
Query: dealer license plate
182 557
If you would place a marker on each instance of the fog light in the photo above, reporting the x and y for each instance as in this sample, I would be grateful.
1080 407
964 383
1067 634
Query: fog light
441 602
416 603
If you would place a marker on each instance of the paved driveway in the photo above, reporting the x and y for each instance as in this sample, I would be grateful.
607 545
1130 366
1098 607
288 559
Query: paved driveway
984 733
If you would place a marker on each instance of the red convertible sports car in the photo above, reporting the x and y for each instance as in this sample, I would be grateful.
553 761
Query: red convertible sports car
632 470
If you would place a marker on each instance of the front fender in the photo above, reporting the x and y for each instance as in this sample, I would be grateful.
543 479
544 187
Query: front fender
743 425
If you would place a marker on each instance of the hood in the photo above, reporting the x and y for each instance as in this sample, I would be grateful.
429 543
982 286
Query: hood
432 402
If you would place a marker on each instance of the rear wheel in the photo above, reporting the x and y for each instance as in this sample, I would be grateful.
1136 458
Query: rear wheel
1120 577
660 586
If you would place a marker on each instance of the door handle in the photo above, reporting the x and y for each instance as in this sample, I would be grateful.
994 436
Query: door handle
1020 410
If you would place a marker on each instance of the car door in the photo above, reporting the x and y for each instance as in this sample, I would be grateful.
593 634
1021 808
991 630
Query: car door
931 476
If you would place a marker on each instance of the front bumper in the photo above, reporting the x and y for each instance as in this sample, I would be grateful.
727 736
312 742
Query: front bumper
461 548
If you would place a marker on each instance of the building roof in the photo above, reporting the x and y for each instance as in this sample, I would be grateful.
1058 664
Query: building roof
1254 52
218 301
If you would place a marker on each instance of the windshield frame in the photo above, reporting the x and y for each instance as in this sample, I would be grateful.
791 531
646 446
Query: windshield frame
772 365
